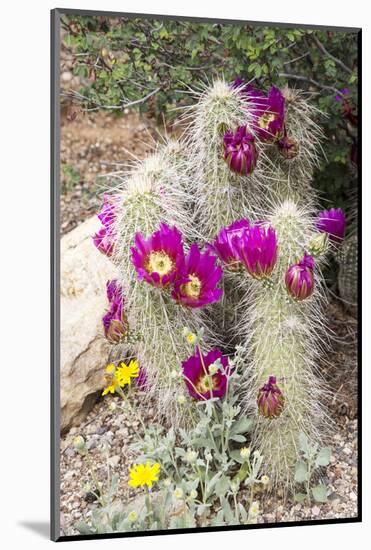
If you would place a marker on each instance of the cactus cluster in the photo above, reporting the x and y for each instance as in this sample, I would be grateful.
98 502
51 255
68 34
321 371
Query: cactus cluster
236 189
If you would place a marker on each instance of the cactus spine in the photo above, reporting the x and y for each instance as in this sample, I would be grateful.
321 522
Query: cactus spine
283 339
155 192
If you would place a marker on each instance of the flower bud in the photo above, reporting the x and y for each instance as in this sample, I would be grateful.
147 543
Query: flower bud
333 222
181 399
133 516
79 444
240 151
193 494
191 456
265 480
245 452
299 278
270 399
178 493
167 482
318 244
254 510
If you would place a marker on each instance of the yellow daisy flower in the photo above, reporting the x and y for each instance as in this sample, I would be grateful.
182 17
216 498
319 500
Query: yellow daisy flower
112 383
144 474
119 377
125 373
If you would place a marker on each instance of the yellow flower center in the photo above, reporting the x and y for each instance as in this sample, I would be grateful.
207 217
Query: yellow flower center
206 383
192 289
266 119
159 262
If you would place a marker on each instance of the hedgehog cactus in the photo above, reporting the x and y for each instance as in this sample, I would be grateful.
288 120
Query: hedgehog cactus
154 193
221 156
283 338
348 273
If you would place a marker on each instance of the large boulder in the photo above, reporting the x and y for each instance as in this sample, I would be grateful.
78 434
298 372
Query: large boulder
84 349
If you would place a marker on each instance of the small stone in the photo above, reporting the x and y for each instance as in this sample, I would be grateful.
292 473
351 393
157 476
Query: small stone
102 430
114 461
316 511
352 496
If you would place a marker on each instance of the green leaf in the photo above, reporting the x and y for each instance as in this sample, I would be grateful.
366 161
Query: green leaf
222 486
239 438
320 493
242 425
236 455
301 472
84 529
323 457
300 497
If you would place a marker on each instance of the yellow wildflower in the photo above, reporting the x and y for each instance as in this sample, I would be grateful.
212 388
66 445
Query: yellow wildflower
144 474
125 373
191 338
110 377
120 376
133 516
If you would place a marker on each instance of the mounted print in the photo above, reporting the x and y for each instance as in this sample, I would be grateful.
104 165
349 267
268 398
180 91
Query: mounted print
205 208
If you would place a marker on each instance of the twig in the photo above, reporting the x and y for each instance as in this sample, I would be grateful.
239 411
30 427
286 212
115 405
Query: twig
72 94
338 61
309 80
297 58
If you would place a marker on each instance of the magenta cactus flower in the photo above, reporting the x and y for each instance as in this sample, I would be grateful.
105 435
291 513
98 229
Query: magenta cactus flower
104 239
299 278
115 323
257 250
269 111
225 247
333 222
240 151
158 258
195 284
270 399
204 382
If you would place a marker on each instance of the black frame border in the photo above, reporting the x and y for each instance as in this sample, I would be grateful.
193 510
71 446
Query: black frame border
55 279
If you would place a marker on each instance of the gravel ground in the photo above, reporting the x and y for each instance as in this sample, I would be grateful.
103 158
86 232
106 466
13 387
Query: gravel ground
92 146
103 425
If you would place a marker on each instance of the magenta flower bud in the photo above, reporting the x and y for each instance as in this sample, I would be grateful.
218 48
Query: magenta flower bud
115 323
270 399
104 239
333 222
257 250
158 258
196 280
299 278
240 151
224 247
203 383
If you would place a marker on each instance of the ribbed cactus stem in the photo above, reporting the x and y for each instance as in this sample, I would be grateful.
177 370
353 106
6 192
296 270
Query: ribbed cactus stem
155 192
220 196
284 340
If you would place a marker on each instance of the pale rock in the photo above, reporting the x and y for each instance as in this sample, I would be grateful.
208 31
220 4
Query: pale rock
84 349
